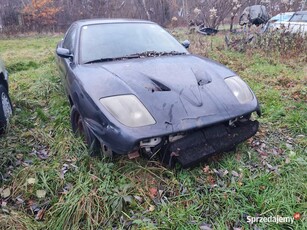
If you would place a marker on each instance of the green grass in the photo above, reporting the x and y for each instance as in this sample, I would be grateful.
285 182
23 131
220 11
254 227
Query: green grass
265 177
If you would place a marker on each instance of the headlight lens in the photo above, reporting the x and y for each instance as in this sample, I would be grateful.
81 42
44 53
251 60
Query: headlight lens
240 89
128 110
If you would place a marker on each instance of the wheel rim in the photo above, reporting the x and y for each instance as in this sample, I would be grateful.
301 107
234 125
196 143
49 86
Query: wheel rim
6 106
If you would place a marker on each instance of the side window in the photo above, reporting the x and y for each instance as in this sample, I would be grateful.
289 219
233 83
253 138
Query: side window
299 18
70 39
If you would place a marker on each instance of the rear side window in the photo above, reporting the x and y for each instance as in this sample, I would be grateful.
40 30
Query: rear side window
299 18
70 39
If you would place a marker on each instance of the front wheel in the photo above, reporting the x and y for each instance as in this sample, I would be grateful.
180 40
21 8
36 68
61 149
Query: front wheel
80 129
6 109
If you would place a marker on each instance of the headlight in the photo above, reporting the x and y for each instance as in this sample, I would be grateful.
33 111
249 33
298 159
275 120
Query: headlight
128 110
240 89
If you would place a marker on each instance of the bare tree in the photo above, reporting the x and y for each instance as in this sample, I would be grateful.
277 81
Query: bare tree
209 12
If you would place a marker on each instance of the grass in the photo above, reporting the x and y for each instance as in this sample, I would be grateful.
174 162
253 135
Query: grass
265 177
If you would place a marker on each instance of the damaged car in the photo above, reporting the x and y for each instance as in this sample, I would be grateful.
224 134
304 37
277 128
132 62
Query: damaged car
6 108
134 89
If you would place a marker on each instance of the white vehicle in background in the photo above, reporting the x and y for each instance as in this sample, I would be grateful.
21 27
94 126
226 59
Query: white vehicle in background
296 24
282 17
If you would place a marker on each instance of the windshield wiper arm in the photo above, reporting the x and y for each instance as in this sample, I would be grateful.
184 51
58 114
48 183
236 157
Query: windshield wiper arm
157 54
99 60
113 59
137 55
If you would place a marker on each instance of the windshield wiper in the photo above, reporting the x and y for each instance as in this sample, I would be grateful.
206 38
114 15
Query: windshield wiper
113 59
99 60
157 54
137 55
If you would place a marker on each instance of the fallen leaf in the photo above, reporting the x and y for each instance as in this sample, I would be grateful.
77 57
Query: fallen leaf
74 166
139 199
19 156
205 226
292 154
19 200
64 170
272 168
151 208
41 193
211 180
67 188
5 210
5 193
30 202
234 173
289 146
42 154
27 163
153 192
206 169
225 172
3 204
133 155
287 161
274 152
262 153
128 199
40 214
31 180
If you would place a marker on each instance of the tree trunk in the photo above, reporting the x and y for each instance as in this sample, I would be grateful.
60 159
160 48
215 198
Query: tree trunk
146 10
231 23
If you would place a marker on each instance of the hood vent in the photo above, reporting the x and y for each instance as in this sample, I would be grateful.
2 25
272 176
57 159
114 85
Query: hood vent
158 86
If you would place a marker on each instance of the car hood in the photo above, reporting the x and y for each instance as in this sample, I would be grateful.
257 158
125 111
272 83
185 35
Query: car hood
180 91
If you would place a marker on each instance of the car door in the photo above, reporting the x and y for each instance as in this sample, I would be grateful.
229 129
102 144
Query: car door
66 64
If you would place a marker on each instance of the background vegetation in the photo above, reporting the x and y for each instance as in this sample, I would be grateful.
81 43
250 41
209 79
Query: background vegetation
56 15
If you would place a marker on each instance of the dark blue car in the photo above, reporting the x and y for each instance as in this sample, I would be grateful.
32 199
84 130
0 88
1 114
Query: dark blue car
134 89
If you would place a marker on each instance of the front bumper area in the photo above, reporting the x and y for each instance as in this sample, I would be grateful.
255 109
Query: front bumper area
197 146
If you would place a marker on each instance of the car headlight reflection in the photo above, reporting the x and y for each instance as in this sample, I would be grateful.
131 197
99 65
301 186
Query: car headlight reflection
128 110
239 89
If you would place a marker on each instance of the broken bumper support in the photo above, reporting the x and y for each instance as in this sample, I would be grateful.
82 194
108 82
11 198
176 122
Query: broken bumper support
197 146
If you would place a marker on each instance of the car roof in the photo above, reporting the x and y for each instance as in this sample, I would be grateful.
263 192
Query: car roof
280 15
109 21
301 12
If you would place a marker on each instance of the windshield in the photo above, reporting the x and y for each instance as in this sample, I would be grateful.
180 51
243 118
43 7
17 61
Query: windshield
283 17
111 41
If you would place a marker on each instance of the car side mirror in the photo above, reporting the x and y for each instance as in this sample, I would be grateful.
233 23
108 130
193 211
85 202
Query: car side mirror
64 53
186 44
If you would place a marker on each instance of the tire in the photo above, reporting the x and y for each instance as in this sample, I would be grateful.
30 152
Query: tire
6 109
81 130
